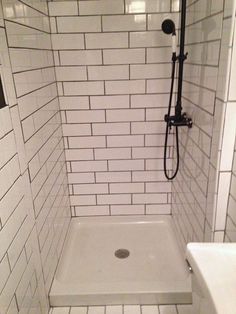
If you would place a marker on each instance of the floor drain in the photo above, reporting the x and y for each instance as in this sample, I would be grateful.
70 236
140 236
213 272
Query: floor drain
122 253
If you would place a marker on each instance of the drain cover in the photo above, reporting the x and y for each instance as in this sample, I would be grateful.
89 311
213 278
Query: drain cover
122 253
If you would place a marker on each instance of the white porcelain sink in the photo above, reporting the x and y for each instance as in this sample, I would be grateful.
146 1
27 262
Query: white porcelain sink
214 277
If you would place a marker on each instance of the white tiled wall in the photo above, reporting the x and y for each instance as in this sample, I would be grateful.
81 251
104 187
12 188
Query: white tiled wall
34 201
201 189
230 229
113 70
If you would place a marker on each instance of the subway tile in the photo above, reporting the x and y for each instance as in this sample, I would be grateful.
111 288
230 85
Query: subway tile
125 115
77 200
74 103
112 153
127 209
108 72
135 6
158 209
11 199
148 39
8 174
114 199
79 24
124 56
148 198
80 57
147 127
7 148
4 271
71 73
148 100
21 36
74 178
109 102
147 152
156 114
88 166
74 130
83 88
67 41
157 140
158 188
124 23
126 188
149 71
160 54
158 164
113 177
87 142
98 7
122 165
148 176
125 87
106 40
158 86
96 210
125 141
110 128
90 188
85 116
63 8
79 154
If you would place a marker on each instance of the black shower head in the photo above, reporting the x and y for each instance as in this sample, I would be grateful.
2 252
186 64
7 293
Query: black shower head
168 27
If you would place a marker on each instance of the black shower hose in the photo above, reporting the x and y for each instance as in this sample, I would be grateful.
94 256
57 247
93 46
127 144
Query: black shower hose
168 127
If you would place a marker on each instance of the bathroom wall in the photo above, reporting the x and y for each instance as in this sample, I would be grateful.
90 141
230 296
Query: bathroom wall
34 201
201 189
113 72
230 229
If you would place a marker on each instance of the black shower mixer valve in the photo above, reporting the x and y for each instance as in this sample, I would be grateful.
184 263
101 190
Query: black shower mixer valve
183 120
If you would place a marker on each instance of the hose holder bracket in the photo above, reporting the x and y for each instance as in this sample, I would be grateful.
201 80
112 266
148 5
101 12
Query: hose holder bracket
184 120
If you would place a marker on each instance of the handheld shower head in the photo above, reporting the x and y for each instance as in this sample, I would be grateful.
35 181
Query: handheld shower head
168 27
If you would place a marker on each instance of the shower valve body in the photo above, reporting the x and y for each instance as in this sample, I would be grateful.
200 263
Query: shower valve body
184 120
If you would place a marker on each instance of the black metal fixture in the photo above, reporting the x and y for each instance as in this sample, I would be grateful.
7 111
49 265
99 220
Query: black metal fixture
178 119
2 97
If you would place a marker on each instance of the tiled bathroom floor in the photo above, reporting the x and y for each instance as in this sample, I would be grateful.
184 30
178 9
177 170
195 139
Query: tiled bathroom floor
125 309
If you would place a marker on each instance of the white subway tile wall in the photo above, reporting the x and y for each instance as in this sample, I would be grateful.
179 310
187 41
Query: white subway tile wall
229 160
113 67
207 149
34 198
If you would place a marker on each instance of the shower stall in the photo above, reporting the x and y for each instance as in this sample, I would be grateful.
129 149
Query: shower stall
88 145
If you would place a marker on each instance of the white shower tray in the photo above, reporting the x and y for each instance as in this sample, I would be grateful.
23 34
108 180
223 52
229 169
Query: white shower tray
89 273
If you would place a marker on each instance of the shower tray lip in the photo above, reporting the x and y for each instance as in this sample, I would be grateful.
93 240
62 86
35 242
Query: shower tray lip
65 293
